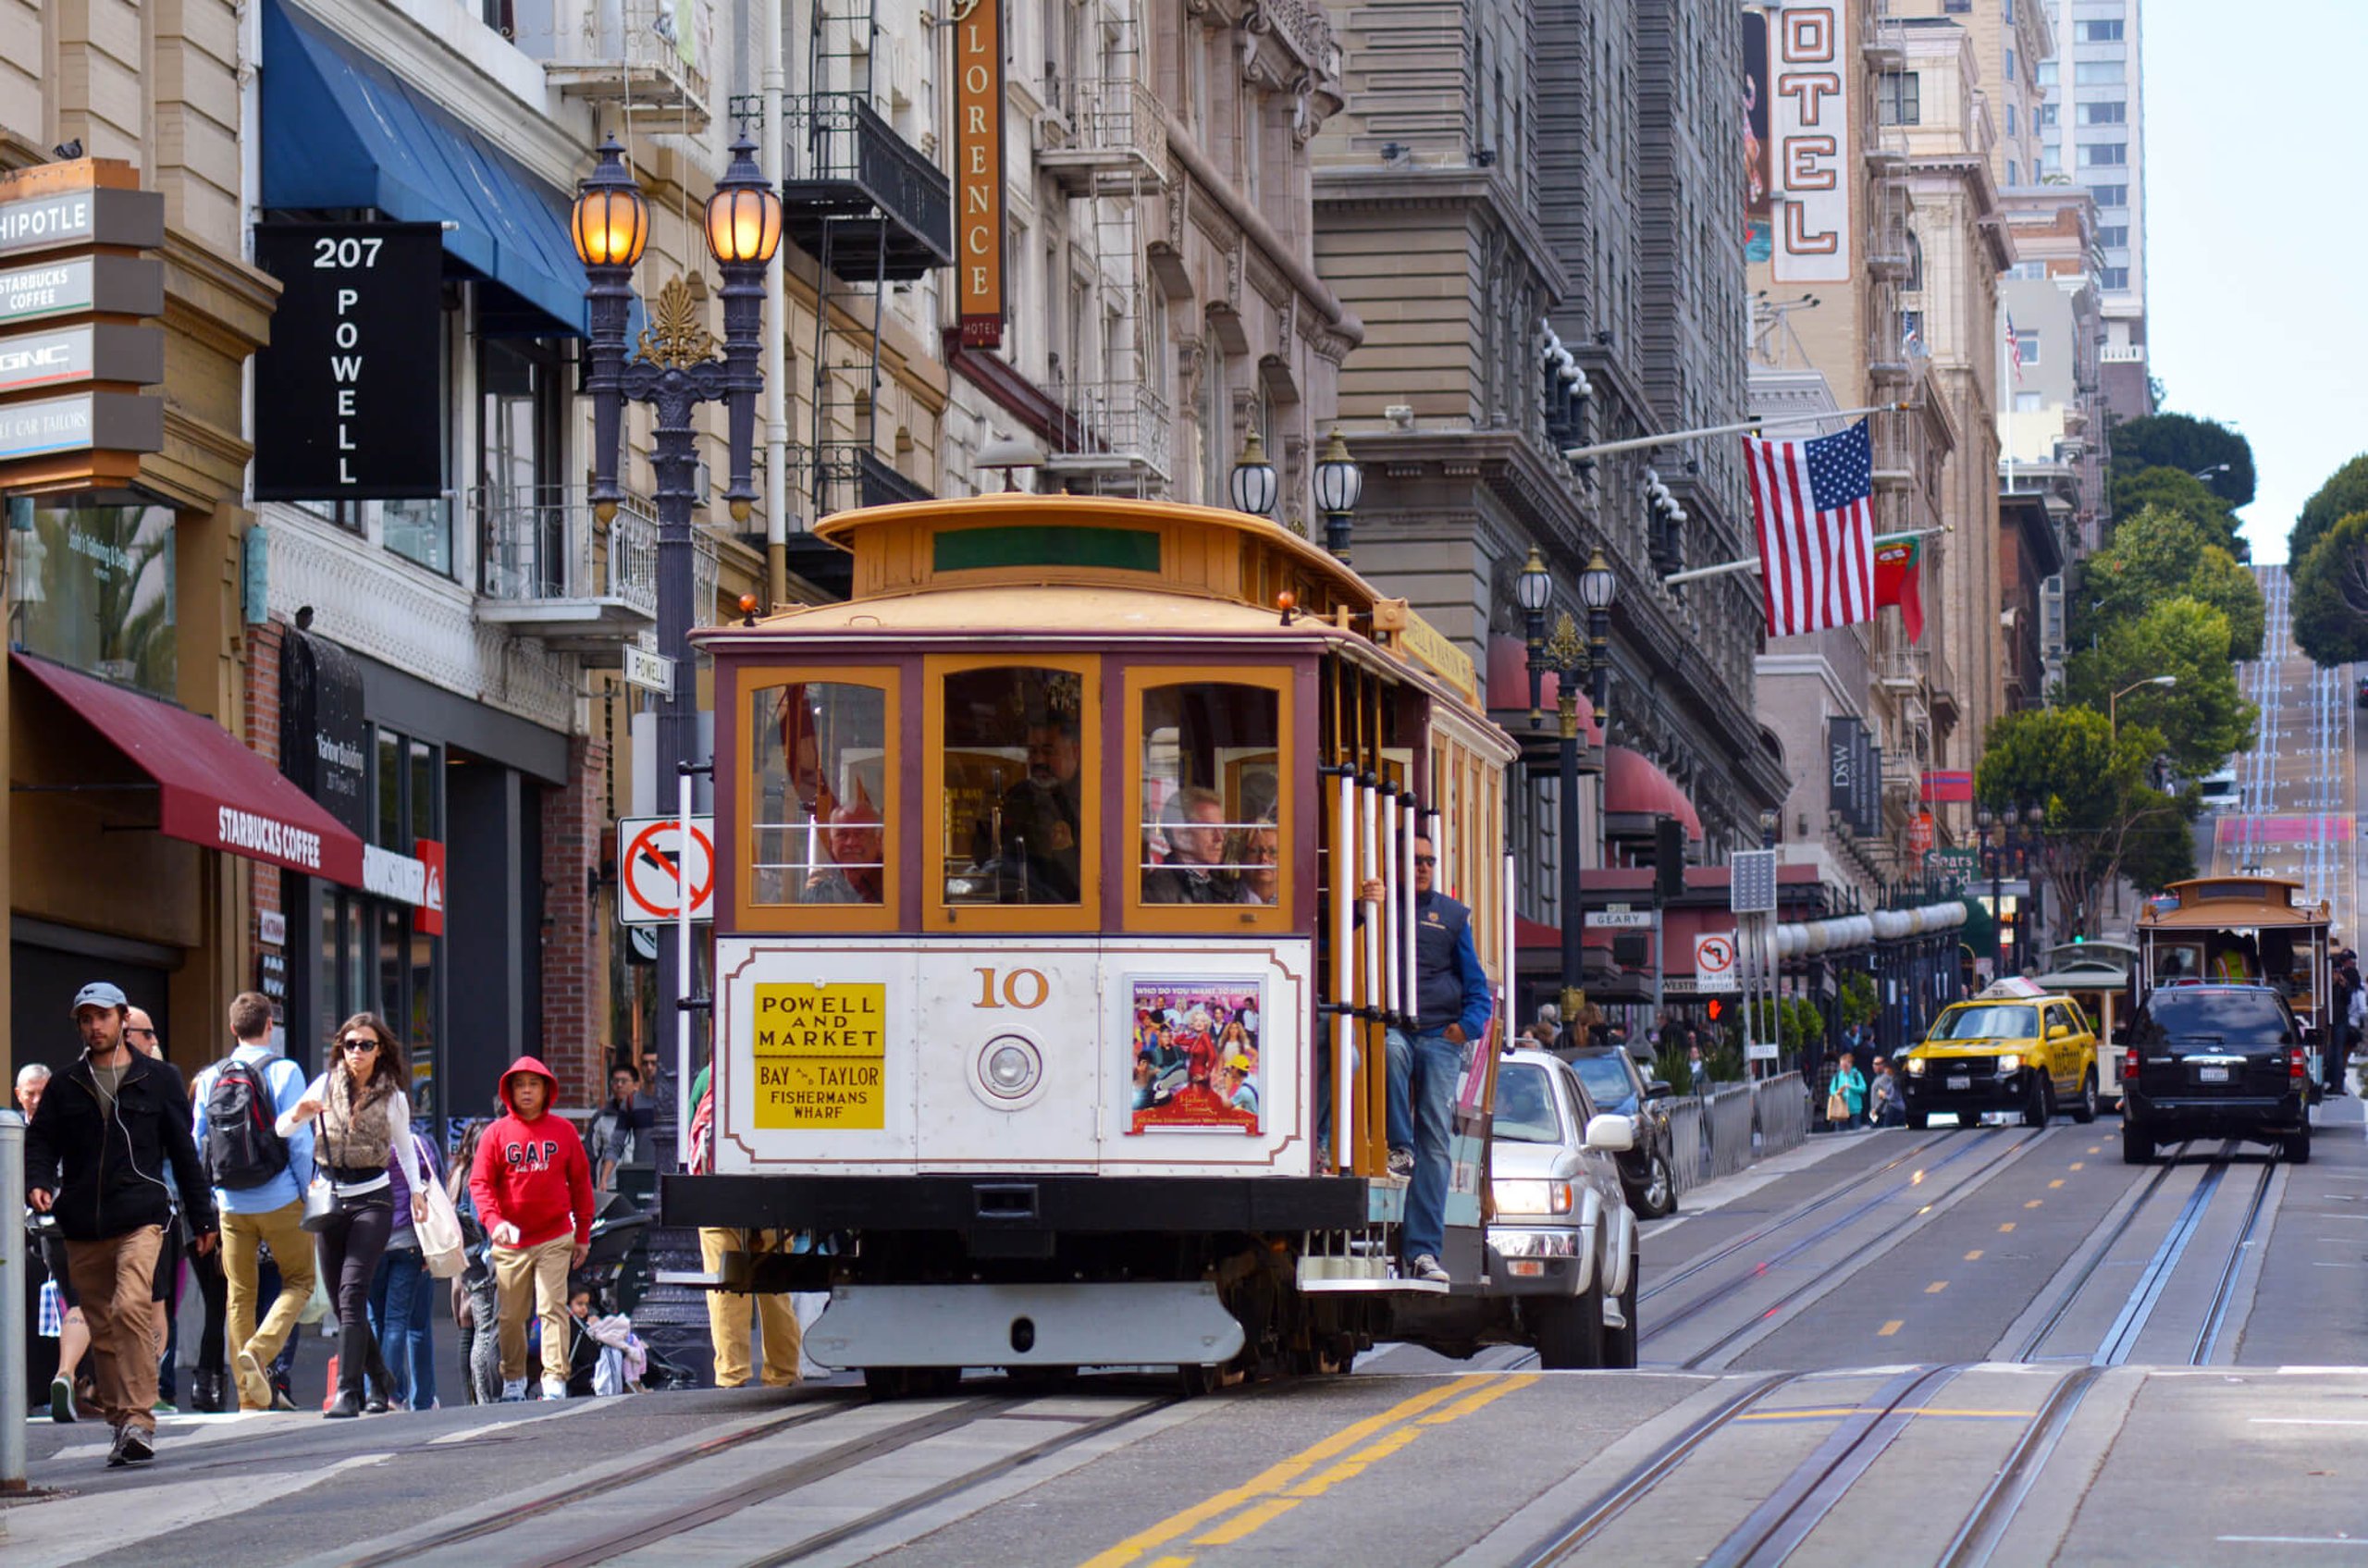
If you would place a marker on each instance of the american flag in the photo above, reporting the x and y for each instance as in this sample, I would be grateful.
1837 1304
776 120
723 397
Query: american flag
2014 349
1814 502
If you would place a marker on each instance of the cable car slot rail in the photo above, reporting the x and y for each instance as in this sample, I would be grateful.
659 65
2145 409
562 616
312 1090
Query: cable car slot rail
777 1482
1906 1222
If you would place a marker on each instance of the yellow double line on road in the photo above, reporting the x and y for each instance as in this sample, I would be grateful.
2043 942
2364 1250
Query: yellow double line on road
1240 1511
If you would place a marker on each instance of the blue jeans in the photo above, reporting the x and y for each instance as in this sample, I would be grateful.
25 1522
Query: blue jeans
1424 1072
400 1297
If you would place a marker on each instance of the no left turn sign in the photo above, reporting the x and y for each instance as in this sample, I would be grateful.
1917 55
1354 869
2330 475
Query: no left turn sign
1714 961
647 851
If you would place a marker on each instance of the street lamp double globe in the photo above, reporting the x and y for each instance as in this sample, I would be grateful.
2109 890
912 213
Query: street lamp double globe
673 370
1568 657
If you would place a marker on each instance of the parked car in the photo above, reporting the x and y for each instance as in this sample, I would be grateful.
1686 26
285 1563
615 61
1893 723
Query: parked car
2013 1048
1563 1241
2208 1059
1617 1083
2360 691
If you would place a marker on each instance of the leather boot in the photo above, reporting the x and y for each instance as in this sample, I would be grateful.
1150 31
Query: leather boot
352 1352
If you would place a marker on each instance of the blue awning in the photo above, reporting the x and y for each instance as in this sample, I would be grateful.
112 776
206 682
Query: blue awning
342 131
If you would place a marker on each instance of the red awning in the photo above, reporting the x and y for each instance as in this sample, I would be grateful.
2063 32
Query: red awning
1632 784
1509 684
211 790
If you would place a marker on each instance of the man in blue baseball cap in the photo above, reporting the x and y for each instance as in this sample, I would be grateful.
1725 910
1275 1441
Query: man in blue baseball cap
95 1156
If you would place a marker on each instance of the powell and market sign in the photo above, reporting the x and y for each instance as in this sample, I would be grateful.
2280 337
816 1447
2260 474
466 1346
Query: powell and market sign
72 352
347 390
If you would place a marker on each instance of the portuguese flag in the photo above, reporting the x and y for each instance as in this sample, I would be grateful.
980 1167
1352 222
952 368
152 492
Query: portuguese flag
1899 569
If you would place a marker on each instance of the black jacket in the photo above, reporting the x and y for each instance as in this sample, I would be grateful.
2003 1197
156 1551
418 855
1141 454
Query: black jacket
114 1167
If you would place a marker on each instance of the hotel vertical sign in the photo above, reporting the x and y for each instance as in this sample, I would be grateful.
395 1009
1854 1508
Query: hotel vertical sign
978 179
1813 71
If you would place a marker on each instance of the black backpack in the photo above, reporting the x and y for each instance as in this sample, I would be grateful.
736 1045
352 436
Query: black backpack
243 1148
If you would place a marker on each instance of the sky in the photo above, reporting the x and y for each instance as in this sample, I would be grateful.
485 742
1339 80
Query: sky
2255 238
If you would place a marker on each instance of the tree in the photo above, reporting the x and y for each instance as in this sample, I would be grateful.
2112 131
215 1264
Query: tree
2201 718
2190 445
2345 492
2331 594
2104 820
2182 494
2158 554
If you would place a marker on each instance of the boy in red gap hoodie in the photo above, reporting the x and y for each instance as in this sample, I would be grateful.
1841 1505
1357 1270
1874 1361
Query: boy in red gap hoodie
532 1183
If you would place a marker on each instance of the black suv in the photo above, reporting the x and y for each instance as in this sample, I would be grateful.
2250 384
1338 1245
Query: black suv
2210 1060
1616 1084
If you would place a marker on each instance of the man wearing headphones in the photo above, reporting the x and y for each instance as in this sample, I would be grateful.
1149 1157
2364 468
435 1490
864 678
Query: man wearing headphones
109 1124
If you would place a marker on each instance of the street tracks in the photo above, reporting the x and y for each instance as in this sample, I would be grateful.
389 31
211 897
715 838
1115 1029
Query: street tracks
1712 1446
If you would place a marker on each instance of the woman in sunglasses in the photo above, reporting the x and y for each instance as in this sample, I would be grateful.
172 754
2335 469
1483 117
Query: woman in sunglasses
365 1121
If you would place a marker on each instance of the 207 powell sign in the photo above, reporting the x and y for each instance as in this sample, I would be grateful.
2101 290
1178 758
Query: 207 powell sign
347 406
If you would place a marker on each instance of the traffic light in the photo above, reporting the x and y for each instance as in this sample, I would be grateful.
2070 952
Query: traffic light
1716 1008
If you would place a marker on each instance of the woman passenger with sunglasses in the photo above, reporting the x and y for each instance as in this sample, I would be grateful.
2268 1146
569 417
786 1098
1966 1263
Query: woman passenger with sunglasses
365 1120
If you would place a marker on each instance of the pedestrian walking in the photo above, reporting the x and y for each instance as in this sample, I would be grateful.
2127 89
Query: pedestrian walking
55 1313
259 1181
1846 1092
95 1155
728 1311
400 1295
532 1186
364 1119
621 1129
1885 1106
1451 1010
165 1286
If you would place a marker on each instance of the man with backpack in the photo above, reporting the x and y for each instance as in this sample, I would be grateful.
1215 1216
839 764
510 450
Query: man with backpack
259 1180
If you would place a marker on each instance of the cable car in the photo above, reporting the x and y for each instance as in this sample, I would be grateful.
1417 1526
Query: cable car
1046 992
2249 928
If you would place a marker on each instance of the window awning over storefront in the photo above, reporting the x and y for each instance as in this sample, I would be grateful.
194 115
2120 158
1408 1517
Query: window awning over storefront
211 790
342 133
1632 785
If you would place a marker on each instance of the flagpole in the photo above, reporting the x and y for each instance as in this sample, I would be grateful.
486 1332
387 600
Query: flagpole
1605 448
1751 562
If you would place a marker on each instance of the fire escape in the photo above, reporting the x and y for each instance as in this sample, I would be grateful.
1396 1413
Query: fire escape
875 213
649 57
1110 160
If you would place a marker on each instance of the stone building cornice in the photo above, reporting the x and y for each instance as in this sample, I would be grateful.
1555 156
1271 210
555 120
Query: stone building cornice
1439 189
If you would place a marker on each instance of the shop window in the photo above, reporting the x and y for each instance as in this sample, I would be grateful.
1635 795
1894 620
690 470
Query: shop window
91 586
820 787
1209 824
1017 826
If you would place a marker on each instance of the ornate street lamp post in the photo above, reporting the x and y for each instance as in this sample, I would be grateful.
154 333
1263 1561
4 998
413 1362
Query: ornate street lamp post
1570 658
674 371
1251 484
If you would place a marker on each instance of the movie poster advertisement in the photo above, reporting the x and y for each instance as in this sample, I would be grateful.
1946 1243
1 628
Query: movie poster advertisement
1193 1054
1759 234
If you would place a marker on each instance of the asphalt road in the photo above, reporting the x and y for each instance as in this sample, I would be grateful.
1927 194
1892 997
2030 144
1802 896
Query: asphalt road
1970 1345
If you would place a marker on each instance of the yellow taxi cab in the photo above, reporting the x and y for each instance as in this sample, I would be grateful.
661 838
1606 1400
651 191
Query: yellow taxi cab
2015 1047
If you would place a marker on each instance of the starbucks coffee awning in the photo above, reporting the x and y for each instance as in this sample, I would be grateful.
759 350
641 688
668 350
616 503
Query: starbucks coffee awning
210 789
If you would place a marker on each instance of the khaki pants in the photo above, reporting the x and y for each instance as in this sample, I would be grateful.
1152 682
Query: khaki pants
727 1317
537 1277
292 1247
114 1279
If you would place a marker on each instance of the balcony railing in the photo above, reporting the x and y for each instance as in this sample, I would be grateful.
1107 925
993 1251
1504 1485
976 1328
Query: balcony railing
839 475
638 54
1116 428
885 211
549 569
1119 132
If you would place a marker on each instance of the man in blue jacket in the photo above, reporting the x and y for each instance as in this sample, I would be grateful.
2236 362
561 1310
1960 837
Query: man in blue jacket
1451 1008
259 1180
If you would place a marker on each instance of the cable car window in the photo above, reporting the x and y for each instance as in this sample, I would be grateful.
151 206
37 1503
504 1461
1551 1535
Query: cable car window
820 780
1015 811
1211 831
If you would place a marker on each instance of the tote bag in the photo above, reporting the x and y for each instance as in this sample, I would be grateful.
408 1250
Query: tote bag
441 1247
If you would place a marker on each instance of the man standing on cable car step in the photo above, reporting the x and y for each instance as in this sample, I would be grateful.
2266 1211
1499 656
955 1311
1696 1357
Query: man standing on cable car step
1451 1008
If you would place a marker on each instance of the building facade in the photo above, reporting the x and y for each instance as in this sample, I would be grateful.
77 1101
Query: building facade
1538 243
2095 134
